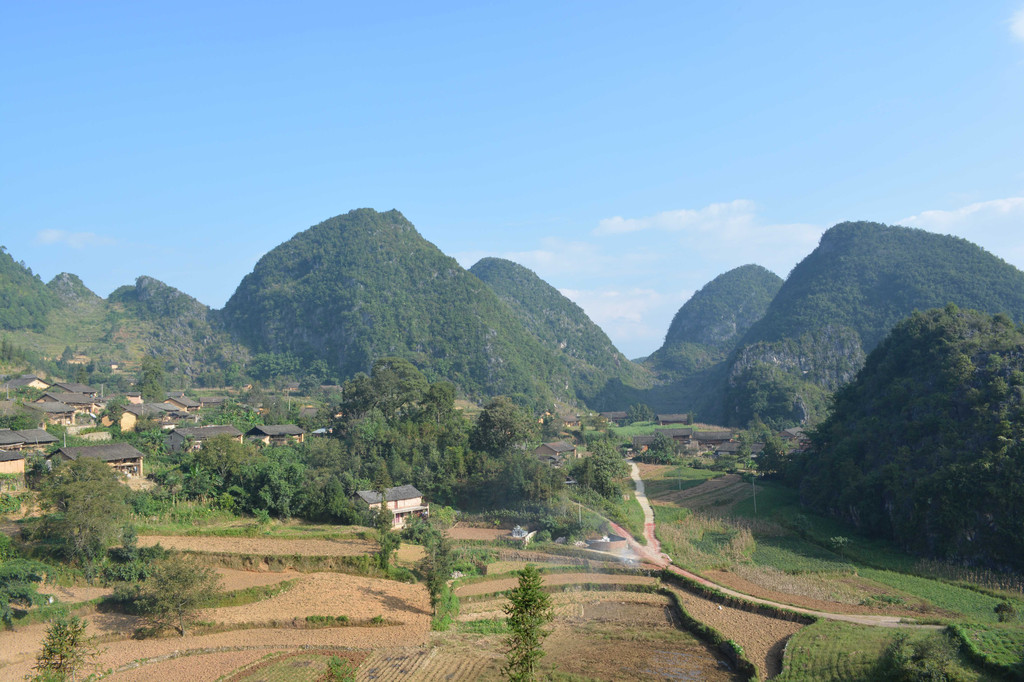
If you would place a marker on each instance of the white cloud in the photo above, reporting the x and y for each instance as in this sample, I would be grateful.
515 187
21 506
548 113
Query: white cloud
736 214
1017 24
75 240
996 225
635 319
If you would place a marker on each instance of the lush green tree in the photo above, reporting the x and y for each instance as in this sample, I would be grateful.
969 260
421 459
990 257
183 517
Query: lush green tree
640 412
527 612
388 540
501 426
175 590
88 499
152 379
66 649
18 580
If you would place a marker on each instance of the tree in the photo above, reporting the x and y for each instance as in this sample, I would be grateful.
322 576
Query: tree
151 379
527 611
500 426
89 502
18 578
640 412
65 649
175 590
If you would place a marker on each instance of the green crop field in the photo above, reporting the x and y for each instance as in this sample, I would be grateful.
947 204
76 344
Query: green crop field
832 651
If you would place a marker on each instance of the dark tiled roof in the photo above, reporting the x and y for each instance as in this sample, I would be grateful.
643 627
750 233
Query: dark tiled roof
23 380
37 436
71 398
402 492
52 408
75 388
11 455
8 437
276 430
674 418
150 409
106 453
182 400
202 432
712 435
561 446
612 416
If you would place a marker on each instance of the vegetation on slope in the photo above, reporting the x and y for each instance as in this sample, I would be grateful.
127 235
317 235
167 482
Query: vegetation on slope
926 446
559 325
707 327
24 299
366 285
840 301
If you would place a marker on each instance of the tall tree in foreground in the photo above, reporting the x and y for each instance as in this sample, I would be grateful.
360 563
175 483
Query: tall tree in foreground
175 590
527 611
65 650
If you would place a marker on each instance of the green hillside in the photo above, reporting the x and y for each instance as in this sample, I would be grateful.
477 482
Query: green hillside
840 301
707 327
560 326
926 446
366 285
24 299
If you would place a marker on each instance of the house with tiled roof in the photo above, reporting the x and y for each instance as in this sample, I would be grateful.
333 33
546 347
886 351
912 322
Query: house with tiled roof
121 457
276 434
194 436
404 501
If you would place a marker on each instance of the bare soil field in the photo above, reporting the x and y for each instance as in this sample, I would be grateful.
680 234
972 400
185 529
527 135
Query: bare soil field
234 579
762 638
267 546
459 532
608 636
191 667
503 584
335 594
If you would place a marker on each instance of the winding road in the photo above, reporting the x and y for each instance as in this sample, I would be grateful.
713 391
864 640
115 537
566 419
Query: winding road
651 552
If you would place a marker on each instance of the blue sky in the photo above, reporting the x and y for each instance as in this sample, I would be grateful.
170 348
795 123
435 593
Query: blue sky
627 154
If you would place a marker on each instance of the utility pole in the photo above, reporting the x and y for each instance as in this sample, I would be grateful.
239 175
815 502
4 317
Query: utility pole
754 488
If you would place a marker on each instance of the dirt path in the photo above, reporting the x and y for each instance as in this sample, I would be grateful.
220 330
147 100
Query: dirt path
652 551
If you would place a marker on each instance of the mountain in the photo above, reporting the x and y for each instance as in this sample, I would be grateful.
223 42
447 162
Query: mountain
926 445
365 285
25 301
709 325
841 300
70 290
560 326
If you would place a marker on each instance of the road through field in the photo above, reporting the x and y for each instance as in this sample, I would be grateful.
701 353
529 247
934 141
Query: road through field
652 552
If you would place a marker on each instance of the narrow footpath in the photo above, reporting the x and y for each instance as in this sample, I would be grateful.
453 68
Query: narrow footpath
651 552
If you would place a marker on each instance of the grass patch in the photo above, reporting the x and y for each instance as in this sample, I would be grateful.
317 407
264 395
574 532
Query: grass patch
833 651
678 478
974 605
249 595
794 555
997 647
487 626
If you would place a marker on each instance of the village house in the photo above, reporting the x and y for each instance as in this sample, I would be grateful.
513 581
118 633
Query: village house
163 414
710 440
62 387
679 436
133 398
670 419
25 381
795 437
616 417
26 439
55 413
403 501
555 453
81 402
196 435
734 448
119 456
277 434
212 401
12 470
182 402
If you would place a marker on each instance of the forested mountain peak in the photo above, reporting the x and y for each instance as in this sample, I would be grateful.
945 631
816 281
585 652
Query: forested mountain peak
841 300
365 285
559 324
152 299
926 445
